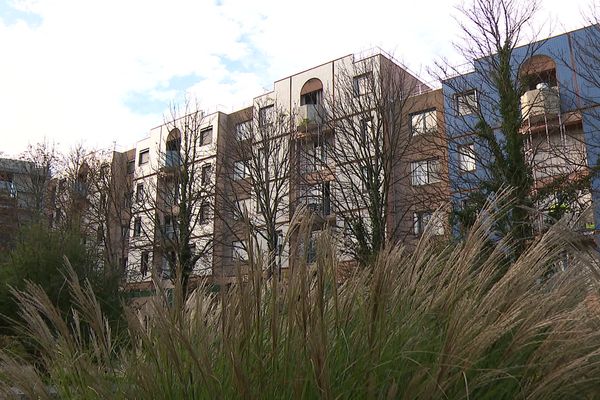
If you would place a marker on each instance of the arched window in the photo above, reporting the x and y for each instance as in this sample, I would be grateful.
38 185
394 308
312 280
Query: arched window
311 92
539 72
174 140
173 146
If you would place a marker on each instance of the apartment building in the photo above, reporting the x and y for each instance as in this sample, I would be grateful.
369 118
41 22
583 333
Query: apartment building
91 196
559 126
332 148
173 188
348 147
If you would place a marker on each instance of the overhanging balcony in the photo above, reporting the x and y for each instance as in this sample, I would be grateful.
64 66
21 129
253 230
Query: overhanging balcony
539 103
309 116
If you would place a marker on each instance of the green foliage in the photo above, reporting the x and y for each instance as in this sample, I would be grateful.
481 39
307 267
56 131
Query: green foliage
38 257
436 323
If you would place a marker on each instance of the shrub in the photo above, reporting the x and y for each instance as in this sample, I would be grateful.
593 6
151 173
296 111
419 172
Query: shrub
433 323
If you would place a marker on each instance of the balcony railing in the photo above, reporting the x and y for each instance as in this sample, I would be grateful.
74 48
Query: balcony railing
323 209
540 102
309 116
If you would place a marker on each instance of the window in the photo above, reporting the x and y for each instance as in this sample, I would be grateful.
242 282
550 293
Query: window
206 136
466 102
311 97
239 251
130 166
266 116
169 265
366 129
206 174
424 219
311 248
258 201
124 231
204 216
144 157
364 178
425 172
466 158
243 130
243 208
240 170
362 84
280 241
423 122
137 226
139 192
169 227
123 264
326 198
144 263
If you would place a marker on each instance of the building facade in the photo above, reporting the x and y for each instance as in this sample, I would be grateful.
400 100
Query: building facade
558 124
360 148
354 146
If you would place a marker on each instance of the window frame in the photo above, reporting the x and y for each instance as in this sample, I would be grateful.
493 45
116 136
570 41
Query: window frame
144 263
315 98
139 192
206 174
242 130
266 115
204 214
422 220
203 132
366 128
459 104
364 178
144 154
137 227
357 83
432 175
244 170
421 117
463 163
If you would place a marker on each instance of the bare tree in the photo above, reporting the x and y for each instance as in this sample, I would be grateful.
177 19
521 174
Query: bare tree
176 197
42 163
255 182
103 184
349 164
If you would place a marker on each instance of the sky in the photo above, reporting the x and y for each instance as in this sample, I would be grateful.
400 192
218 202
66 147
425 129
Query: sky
103 73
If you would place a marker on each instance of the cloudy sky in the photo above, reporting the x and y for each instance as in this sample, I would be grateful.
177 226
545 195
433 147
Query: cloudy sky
104 72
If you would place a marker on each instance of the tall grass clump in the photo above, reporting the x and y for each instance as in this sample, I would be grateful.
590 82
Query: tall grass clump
439 322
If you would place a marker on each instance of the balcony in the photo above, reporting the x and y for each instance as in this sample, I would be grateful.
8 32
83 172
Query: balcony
540 102
309 116
172 159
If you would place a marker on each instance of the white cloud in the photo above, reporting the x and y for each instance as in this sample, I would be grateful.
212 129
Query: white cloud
69 78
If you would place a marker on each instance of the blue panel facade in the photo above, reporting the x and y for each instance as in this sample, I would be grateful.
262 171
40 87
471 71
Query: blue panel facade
577 95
